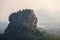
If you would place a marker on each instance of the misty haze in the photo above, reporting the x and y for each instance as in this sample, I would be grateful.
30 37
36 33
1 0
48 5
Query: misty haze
45 21
37 19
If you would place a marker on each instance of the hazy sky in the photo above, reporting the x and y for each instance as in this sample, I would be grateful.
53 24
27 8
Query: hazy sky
9 6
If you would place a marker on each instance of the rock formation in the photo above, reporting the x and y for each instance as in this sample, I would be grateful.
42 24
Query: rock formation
22 25
25 16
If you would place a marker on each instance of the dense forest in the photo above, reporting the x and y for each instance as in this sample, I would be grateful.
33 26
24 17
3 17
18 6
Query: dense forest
23 26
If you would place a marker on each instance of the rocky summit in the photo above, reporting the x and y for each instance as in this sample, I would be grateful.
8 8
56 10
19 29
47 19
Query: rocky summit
23 17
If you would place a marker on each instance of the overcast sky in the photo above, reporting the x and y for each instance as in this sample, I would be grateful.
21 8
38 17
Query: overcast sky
9 6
